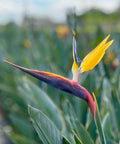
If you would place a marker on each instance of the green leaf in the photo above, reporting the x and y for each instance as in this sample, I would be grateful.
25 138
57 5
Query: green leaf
77 140
106 123
116 77
36 97
78 127
21 124
46 130
115 111
113 106
111 141
18 139
65 141
98 124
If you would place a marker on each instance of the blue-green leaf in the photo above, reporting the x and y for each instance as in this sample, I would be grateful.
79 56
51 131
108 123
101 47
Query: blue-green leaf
98 124
46 130
36 97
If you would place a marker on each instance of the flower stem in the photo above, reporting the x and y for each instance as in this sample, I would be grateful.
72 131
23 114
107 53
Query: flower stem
98 123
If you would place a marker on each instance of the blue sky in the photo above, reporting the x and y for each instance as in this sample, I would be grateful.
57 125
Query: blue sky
13 10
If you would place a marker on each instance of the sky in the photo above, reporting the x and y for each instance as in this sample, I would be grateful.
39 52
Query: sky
56 10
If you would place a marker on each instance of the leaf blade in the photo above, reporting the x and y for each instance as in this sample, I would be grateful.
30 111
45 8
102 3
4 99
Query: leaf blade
98 124
46 130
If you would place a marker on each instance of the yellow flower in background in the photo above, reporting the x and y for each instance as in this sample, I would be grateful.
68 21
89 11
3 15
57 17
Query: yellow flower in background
26 43
109 57
62 31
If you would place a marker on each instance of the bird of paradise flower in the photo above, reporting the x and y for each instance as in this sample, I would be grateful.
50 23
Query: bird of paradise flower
72 86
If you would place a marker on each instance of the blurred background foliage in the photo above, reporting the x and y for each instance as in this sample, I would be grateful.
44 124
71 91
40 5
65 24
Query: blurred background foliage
50 49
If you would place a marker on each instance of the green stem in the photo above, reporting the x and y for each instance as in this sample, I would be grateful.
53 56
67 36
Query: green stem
98 123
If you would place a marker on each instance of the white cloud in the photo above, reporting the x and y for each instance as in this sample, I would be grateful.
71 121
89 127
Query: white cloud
57 11
54 9
10 10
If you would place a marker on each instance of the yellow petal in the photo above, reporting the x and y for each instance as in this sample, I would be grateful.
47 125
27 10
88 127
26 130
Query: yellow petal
102 43
97 48
74 67
93 58
75 71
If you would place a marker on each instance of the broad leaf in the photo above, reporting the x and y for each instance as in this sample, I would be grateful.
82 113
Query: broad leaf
99 125
77 140
46 130
18 139
36 97
78 127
